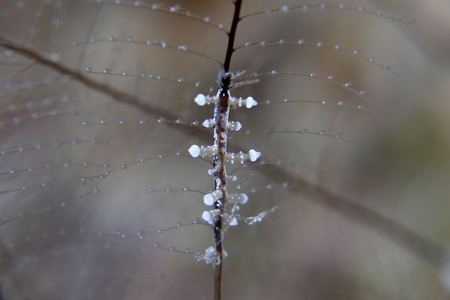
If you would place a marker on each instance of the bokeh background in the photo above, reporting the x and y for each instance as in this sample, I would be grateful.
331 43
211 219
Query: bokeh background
78 220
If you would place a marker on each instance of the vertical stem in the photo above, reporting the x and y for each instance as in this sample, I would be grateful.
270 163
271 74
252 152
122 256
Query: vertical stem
221 112
232 35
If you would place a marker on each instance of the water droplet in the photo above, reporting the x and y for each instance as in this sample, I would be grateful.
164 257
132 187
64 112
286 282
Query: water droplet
285 8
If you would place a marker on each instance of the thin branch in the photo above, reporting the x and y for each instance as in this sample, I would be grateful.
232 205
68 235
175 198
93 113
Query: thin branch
232 35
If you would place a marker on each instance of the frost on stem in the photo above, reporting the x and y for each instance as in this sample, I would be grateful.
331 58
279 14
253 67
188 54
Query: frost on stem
249 102
226 206
210 256
209 199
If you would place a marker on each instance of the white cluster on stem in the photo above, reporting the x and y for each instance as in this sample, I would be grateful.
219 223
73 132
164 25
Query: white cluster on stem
217 196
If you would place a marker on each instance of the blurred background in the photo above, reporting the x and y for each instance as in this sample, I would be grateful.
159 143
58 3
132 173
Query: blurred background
87 182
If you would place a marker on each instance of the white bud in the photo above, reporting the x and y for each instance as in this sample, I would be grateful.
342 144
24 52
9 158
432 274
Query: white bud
208 199
253 155
206 216
234 125
200 99
233 222
250 102
243 198
206 123
194 151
